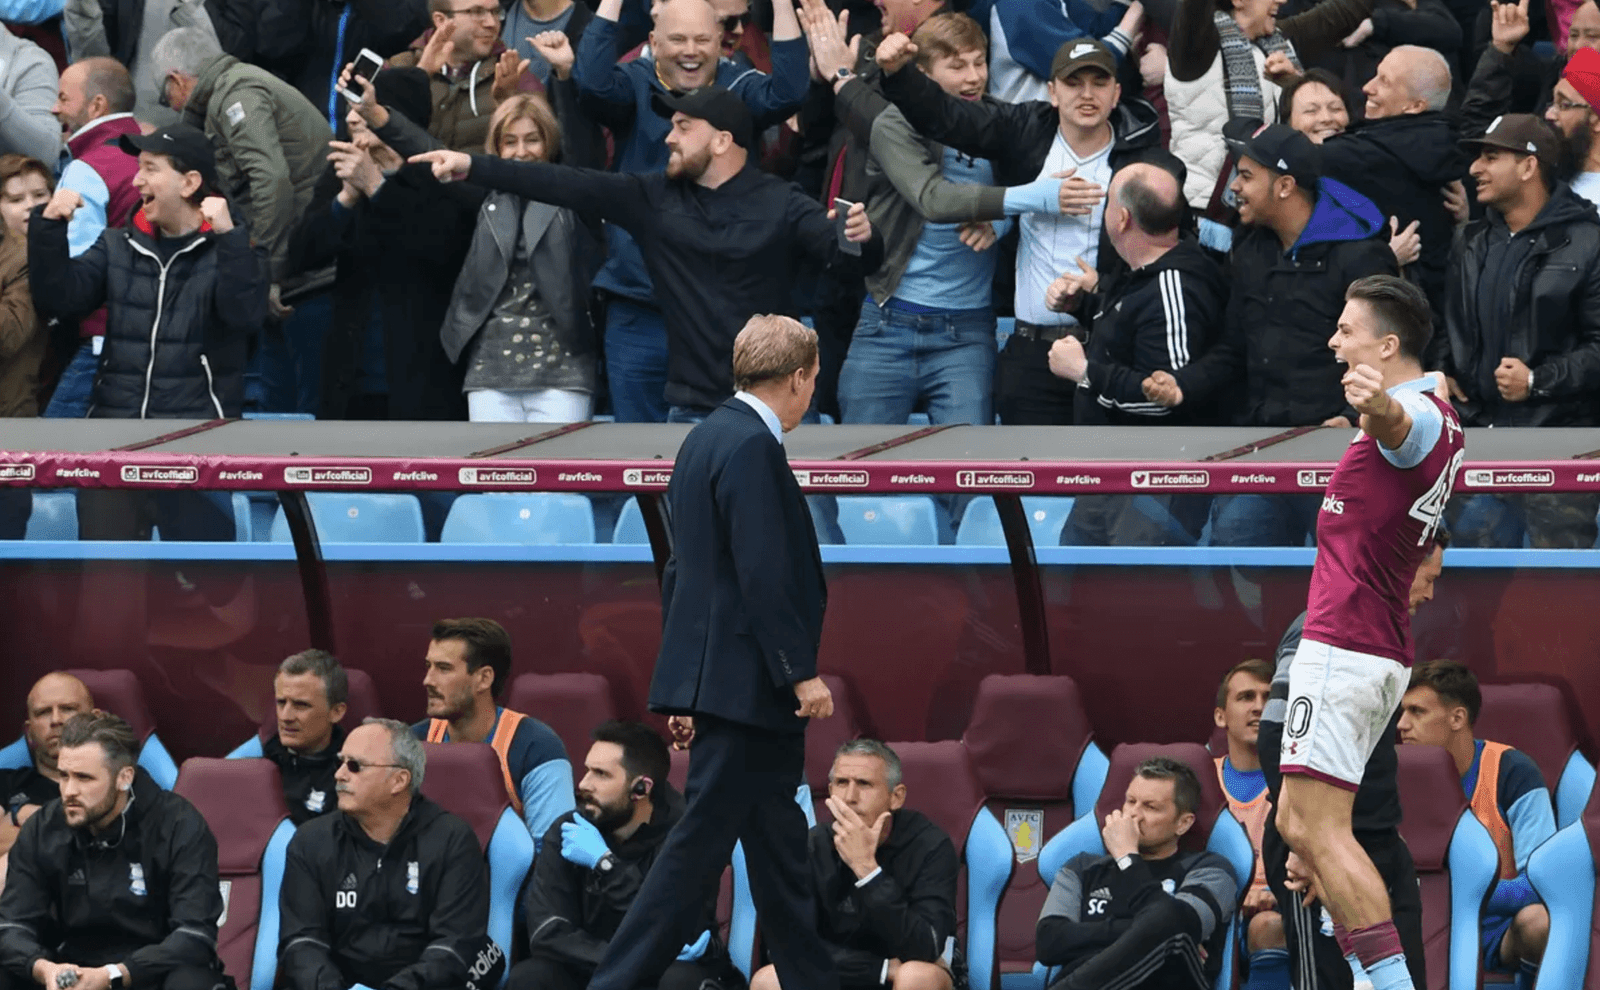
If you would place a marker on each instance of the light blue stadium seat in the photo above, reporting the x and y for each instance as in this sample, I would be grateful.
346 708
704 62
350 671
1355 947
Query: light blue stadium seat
118 692
278 416
359 517
1004 327
1535 718
630 525
1576 783
242 802
533 518
980 523
918 419
55 516
1563 874
1214 823
875 520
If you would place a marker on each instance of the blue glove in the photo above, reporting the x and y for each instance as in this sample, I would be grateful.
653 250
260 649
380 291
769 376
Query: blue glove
581 843
694 950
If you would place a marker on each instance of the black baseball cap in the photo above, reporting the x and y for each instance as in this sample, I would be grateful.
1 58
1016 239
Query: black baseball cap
1520 132
1082 53
187 146
1278 147
716 105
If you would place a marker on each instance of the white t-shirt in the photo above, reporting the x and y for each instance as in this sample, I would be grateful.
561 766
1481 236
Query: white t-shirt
1052 242
1587 185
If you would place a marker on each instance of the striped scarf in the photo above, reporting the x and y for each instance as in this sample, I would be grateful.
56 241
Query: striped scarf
1243 82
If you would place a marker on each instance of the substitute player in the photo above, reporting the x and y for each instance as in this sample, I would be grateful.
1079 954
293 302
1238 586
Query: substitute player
1377 523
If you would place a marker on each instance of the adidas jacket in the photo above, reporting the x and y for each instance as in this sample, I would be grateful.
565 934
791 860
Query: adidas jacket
143 893
410 915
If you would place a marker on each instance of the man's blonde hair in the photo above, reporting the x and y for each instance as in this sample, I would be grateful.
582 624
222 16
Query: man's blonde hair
771 347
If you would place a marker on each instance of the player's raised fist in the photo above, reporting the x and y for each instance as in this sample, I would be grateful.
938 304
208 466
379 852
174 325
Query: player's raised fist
1363 389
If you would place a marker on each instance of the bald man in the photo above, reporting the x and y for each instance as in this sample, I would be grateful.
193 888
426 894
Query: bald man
1160 316
1404 154
54 699
685 54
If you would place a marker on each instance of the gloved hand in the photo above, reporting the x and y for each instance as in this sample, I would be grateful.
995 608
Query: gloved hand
581 843
694 950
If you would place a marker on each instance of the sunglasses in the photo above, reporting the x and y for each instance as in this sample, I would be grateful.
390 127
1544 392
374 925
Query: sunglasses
356 766
734 22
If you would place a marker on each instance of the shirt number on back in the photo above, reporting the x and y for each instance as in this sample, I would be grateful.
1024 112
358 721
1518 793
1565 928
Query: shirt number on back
1429 508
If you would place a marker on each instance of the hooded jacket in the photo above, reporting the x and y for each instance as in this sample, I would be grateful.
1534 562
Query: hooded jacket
462 106
573 911
1282 310
1159 317
1402 164
1554 325
177 330
143 893
271 146
907 911
409 915
307 777
617 95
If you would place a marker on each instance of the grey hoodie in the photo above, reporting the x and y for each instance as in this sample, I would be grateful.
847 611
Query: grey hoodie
28 82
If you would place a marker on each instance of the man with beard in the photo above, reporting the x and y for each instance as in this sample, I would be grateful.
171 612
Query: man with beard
1511 79
1404 154
114 885
1521 345
718 236
1572 112
1316 960
594 860
469 665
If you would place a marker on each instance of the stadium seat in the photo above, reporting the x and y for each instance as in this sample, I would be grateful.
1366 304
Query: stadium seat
118 692
243 523
1215 829
55 516
980 523
360 705
570 704
941 784
873 520
1535 719
1563 873
534 518
630 525
242 802
1456 863
465 780
1033 752
823 739
342 517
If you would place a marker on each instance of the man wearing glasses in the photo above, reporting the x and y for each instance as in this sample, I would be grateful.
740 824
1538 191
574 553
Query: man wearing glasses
471 70
391 891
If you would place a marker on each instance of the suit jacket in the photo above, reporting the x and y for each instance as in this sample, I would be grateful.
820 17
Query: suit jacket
743 594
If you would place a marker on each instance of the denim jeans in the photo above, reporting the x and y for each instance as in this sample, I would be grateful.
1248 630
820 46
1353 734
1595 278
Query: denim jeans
899 360
1548 521
73 392
16 506
636 362
1263 520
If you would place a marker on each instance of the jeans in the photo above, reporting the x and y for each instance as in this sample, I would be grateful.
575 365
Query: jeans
1135 521
16 505
304 332
1263 520
636 362
1026 392
1564 521
898 360
543 405
71 397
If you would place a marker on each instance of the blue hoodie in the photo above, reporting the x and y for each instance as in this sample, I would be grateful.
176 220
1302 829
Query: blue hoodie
618 95
1341 214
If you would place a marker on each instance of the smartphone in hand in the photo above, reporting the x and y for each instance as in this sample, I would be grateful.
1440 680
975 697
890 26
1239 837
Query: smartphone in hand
367 64
841 212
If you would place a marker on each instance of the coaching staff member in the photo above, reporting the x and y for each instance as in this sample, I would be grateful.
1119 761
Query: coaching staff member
741 602
116 881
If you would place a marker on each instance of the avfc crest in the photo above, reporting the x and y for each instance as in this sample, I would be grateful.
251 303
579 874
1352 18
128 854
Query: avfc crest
315 801
136 879
413 877
1025 826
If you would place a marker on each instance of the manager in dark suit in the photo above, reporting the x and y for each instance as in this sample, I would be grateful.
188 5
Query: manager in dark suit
742 600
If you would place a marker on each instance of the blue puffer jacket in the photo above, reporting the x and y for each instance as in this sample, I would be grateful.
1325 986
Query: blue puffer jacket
618 94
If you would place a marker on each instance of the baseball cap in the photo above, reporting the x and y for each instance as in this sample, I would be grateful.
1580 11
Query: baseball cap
1279 147
1583 74
1520 132
1080 53
716 105
187 146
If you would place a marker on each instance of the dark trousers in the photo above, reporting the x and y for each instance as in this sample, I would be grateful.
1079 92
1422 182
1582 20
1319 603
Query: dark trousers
1315 962
182 978
1155 953
548 974
1025 391
16 506
742 783
113 514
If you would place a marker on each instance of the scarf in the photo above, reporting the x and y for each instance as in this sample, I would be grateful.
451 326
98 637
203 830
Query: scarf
1242 80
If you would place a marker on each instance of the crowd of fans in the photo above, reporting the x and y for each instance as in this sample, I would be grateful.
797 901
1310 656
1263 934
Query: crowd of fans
117 881
536 210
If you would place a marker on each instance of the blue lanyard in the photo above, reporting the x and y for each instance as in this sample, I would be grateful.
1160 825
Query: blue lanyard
338 64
